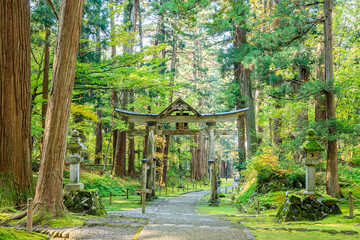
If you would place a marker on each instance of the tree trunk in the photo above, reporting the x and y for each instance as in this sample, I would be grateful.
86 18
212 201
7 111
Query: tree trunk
15 135
120 153
114 103
99 137
45 85
49 194
112 25
140 29
173 60
320 104
131 160
243 79
332 182
165 159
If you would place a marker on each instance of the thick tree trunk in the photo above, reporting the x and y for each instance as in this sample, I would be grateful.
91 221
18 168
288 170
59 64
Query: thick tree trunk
49 195
332 182
99 137
120 153
243 79
15 135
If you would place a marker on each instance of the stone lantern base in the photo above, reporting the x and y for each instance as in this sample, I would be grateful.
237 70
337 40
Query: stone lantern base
70 187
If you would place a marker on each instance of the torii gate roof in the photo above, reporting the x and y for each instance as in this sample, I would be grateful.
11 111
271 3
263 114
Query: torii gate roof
179 105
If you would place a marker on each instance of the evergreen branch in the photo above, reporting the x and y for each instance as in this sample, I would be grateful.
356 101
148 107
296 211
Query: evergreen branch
314 24
312 4
53 8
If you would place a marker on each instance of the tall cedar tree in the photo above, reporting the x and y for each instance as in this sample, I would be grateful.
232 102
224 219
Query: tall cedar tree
49 194
332 182
15 137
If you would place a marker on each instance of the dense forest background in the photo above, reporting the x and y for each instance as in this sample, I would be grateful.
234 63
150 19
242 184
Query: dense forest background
267 55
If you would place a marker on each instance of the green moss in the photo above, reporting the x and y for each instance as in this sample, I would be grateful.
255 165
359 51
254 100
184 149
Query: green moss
13 234
296 235
64 222
329 200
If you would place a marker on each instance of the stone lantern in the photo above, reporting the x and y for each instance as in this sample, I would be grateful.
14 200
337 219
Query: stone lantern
74 147
311 148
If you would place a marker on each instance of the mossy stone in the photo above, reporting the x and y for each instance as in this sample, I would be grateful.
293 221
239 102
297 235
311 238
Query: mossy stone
86 201
298 208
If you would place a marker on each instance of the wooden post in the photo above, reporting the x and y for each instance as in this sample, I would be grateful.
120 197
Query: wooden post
225 190
110 198
193 185
232 189
258 207
159 190
178 189
187 187
143 184
351 205
172 189
127 193
166 190
29 215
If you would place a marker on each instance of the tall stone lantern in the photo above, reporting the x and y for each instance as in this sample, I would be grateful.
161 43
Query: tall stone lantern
311 148
74 147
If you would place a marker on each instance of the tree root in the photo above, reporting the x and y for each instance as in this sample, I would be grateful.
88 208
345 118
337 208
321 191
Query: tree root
17 217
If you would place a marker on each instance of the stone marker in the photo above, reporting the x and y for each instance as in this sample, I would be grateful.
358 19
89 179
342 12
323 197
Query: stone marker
311 148
74 147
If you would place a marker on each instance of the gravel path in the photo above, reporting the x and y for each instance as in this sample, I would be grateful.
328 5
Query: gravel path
173 218
177 219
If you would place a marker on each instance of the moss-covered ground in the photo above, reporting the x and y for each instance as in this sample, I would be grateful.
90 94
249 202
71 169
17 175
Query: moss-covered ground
14 234
263 226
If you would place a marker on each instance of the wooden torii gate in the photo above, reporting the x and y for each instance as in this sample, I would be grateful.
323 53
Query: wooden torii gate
181 113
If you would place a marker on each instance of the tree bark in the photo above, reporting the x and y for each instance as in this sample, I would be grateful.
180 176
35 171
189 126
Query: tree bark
15 135
173 60
332 182
320 104
45 85
99 137
131 160
165 159
112 25
245 99
49 195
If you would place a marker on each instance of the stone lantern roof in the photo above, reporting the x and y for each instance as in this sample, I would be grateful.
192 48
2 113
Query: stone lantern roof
311 144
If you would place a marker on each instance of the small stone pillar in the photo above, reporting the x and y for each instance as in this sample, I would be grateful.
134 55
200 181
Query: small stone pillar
74 147
311 148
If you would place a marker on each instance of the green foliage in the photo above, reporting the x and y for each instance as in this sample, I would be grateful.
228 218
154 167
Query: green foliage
247 192
106 184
